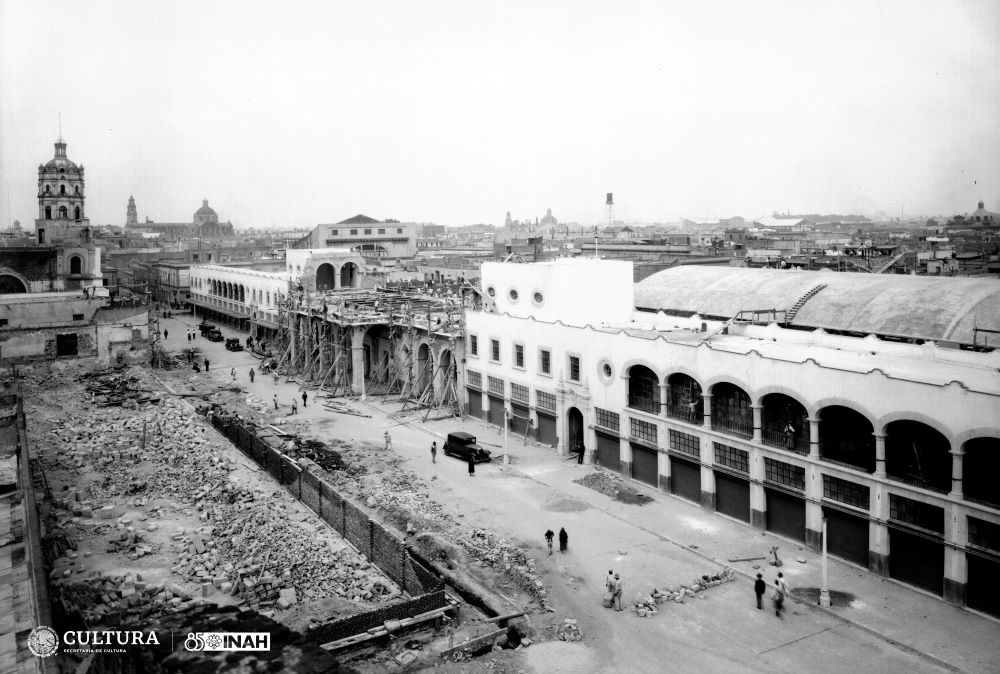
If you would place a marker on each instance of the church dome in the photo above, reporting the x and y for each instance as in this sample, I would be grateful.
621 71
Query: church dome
206 210
60 160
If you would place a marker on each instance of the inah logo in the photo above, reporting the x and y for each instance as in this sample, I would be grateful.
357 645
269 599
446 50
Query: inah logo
228 641
43 641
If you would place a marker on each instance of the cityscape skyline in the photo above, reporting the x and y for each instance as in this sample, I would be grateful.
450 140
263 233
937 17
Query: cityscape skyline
457 115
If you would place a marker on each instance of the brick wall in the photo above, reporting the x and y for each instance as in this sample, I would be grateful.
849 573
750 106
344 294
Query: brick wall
362 622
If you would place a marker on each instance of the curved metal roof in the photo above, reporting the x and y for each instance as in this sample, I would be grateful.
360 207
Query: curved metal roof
918 307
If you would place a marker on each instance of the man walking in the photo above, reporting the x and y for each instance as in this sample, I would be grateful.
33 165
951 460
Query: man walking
549 535
232 373
388 440
472 465
206 365
251 375
759 588
304 399
618 592
434 452
276 401
563 540
164 333
780 590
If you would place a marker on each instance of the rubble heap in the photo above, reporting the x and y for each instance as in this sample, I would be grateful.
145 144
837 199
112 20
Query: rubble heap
645 605
613 486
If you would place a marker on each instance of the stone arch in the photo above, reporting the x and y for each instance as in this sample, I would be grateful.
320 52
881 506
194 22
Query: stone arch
446 379
918 454
243 293
63 212
629 364
325 277
765 391
711 383
643 388
846 437
48 212
425 365
784 422
731 409
849 403
76 213
685 400
11 282
574 429
350 276
75 264
882 423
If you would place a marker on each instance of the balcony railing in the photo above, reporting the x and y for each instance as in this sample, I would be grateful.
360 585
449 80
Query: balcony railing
916 482
858 464
644 405
684 413
795 443
737 427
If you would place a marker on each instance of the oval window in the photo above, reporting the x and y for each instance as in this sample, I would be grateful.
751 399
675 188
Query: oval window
513 295
538 298
607 370
491 291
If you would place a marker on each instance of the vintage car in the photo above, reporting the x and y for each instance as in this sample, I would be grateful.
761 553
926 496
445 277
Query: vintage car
462 445
214 335
233 344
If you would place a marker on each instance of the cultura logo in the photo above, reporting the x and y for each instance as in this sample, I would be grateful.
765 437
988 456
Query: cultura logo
43 641
228 641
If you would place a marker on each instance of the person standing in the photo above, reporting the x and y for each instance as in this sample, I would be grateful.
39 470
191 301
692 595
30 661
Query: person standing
549 535
759 588
779 598
579 450
275 401
434 452
618 592
388 440
472 465
232 373
563 540
295 406
206 365
304 399
251 375
164 333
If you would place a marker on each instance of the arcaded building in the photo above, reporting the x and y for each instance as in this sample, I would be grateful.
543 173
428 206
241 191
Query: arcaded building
773 397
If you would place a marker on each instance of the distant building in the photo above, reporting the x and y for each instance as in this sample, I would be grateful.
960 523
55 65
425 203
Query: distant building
777 222
366 236
548 218
204 224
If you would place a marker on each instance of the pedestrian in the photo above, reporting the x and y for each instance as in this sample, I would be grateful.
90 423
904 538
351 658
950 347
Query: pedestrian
617 592
579 450
188 335
779 595
789 435
434 452
472 465
232 373
563 540
164 334
548 539
759 588
388 440
304 398
206 365
275 401
196 368
295 406
609 589
251 375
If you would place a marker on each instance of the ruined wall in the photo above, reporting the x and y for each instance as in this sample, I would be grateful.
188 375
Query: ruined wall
37 265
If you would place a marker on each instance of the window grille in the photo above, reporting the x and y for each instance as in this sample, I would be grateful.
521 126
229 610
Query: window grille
732 457
847 492
607 419
643 430
685 443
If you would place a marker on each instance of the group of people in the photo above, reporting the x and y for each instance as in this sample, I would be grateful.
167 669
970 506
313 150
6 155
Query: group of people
191 335
781 591
613 590
563 540
195 366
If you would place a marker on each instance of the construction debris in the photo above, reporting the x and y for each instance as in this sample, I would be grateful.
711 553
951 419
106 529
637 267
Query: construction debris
613 486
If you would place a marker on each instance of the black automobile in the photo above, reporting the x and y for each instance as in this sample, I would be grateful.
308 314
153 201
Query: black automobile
214 335
233 344
462 445
204 327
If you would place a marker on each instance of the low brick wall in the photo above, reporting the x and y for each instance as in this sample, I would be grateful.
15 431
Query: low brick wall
305 480
362 622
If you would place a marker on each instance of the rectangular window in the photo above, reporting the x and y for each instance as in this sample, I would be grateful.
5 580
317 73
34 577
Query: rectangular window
333 232
77 317
399 230
984 534
368 231
495 385
780 472
847 492
923 515
473 345
66 345
545 362
354 232
519 393
518 355
685 443
574 368
381 230
474 379
607 419
194 257
643 430
545 401
732 457
495 350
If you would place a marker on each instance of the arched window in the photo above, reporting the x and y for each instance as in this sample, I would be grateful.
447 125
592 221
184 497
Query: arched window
76 190
75 265
63 213
643 389
76 213
48 212
62 189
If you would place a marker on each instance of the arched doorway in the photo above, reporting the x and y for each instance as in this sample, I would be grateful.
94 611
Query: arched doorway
423 373
574 429
445 383
11 284
324 277
349 275
75 265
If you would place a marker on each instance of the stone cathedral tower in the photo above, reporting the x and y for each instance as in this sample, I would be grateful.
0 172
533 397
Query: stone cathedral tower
61 197
131 213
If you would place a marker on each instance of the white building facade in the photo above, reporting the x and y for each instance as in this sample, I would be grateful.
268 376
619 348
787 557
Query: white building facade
831 396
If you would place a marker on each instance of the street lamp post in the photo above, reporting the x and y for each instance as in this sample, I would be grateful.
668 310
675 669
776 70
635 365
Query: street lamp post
506 417
824 592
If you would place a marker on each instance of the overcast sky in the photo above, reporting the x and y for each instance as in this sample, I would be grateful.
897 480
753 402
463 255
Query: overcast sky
293 113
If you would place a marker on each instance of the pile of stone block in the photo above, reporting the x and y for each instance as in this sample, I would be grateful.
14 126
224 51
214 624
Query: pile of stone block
695 588
110 600
568 630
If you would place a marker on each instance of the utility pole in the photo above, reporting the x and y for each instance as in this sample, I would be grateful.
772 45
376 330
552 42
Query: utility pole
506 456
824 591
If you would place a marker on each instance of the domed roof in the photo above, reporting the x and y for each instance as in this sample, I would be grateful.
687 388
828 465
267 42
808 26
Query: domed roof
60 161
205 209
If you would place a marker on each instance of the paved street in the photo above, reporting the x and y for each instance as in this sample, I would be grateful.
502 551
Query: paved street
888 627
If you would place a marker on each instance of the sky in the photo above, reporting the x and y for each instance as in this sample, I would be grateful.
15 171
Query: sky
289 114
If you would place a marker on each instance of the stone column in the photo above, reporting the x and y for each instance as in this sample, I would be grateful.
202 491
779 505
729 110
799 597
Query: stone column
814 438
757 423
957 459
758 499
707 475
814 508
956 564
663 471
879 455
706 401
358 361
878 532
664 398
625 457
336 278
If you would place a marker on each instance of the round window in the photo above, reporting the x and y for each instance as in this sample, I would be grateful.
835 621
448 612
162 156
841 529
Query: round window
605 372
491 291
513 295
606 369
538 298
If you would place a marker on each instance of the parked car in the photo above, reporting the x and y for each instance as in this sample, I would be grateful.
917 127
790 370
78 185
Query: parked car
233 344
462 445
204 327
214 335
